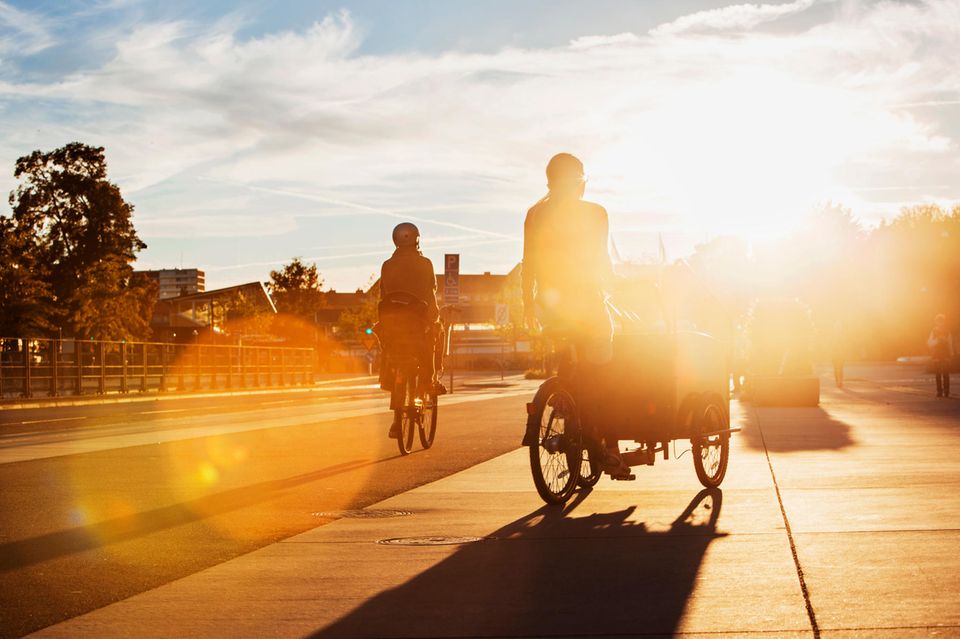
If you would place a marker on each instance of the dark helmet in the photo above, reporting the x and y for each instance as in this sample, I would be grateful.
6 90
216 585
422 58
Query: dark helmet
406 234
564 170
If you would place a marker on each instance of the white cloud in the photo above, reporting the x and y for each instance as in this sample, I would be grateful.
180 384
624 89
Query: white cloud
734 17
22 32
711 133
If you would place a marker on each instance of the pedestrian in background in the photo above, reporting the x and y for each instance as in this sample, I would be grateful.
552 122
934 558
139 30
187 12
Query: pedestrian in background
838 351
940 344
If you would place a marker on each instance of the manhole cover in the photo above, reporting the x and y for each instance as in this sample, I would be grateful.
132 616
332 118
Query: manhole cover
435 540
361 513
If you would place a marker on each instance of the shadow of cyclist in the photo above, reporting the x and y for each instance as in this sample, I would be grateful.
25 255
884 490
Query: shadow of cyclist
551 574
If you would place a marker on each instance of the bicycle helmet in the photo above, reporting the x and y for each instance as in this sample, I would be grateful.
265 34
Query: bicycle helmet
406 234
564 170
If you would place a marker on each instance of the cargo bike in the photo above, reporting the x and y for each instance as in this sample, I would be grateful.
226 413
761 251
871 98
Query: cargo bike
668 382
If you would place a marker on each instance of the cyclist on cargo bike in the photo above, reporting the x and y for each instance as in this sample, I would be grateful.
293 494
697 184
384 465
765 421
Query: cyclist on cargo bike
566 267
662 378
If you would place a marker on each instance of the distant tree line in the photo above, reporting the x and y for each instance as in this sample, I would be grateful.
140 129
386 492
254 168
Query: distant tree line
883 286
67 249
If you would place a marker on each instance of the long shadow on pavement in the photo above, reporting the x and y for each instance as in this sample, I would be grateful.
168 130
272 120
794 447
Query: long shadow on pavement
549 574
788 430
26 552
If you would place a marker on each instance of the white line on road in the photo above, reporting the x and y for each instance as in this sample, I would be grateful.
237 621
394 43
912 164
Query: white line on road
93 442
158 412
50 421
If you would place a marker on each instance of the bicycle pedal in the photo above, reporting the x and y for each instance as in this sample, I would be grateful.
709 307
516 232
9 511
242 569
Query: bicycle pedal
630 477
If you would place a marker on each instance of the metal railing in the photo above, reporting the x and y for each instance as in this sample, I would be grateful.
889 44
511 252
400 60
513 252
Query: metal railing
53 368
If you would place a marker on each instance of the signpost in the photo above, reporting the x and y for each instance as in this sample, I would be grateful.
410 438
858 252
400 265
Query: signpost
451 292
369 341
451 278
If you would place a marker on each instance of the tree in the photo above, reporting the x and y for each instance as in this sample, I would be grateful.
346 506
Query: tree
25 298
295 289
80 239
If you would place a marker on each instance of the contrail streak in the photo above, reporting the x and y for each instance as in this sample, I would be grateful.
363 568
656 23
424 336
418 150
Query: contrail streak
370 209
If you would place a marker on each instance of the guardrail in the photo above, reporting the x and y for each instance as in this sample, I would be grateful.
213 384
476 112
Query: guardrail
52 367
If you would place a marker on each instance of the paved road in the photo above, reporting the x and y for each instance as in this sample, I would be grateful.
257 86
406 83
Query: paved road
101 502
835 522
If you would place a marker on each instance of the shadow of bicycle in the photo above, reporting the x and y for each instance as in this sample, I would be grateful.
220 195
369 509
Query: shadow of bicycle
552 574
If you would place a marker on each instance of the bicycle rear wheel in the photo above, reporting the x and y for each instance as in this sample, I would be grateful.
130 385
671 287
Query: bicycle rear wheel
405 414
711 452
428 421
556 457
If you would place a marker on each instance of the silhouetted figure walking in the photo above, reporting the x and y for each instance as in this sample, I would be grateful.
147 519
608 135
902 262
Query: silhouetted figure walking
940 344
838 351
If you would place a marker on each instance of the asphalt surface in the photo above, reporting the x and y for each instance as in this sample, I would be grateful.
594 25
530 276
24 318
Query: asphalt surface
837 522
101 502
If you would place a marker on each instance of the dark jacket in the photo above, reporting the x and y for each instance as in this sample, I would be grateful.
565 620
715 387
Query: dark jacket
410 272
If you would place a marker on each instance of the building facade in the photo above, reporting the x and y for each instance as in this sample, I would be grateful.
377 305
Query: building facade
177 282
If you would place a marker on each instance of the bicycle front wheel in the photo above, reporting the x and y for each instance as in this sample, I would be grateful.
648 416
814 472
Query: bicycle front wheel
556 456
406 416
428 421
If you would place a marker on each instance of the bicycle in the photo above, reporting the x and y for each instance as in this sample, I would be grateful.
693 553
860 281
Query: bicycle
413 409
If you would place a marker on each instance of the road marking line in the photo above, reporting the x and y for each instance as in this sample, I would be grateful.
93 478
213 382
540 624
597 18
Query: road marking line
158 412
278 402
80 443
50 421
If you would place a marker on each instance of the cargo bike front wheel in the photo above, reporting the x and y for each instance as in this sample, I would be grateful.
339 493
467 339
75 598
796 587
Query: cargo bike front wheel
557 454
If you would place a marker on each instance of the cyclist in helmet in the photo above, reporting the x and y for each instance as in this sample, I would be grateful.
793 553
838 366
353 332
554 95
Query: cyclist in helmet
409 272
566 266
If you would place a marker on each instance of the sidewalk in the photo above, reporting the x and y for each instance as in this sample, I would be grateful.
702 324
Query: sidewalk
476 555
624 560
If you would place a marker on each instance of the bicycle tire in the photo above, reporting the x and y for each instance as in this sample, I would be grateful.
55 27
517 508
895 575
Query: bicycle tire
710 454
407 419
556 456
428 421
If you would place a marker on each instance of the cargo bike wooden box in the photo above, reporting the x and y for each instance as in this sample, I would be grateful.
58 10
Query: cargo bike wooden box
668 381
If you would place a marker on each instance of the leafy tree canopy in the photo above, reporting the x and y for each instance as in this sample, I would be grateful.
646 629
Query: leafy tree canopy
77 240
295 289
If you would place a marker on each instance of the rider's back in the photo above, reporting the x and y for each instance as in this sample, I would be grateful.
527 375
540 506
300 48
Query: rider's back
565 254
408 271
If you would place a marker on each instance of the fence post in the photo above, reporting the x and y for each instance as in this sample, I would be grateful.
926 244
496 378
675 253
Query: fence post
256 366
180 364
283 367
163 368
102 386
198 380
1 367
243 370
123 367
143 379
26 369
213 369
229 353
78 356
55 363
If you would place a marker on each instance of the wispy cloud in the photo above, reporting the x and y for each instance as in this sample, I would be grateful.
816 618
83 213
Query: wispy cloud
735 17
22 32
710 133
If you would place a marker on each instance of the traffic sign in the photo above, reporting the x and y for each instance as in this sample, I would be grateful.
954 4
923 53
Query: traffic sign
451 278
369 341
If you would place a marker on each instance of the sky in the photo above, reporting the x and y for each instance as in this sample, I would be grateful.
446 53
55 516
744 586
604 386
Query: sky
247 133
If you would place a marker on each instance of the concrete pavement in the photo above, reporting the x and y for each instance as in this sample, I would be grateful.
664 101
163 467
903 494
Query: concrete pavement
838 521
